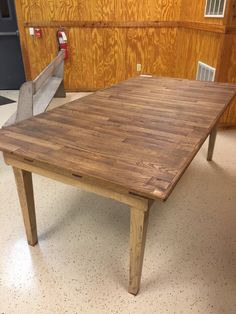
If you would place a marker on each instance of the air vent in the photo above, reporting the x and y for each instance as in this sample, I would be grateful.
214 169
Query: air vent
215 8
205 72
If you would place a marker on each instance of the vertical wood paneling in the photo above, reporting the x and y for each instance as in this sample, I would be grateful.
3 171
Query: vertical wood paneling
108 10
109 56
161 52
87 59
82 58
228 74
49 9
135 51
143 10
170 10
230 12
194 46
132 10
73 78
120 54
36 11
66 9
154 10
84 10
96 8
195 10
144 56
153 51
24 10
96 47
120 10
167 52
41 51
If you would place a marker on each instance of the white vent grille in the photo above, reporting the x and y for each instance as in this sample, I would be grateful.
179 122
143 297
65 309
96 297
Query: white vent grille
205 72
215 8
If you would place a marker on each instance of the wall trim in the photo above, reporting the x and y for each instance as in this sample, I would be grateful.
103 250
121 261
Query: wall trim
214 28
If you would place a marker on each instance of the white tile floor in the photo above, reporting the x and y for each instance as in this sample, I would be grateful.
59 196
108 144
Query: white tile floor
81 262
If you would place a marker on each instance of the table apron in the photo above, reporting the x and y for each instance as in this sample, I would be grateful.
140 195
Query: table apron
96 186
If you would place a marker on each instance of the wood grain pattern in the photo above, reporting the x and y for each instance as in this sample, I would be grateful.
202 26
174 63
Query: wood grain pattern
135 51
227 70
26 197
206 27
196 10
139 211
26 166
44 49
229 12
140 135
170 10
120 54
97 46
138 232
108 38
109 56
120 10
194 46
232 9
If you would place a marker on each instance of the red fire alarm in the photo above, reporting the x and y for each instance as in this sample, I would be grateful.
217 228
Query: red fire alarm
38 32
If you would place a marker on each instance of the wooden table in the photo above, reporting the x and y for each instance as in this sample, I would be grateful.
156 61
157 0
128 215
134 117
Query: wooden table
131 142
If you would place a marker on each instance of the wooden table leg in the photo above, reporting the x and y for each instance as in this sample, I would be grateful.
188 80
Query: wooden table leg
26 196
138 231
212 140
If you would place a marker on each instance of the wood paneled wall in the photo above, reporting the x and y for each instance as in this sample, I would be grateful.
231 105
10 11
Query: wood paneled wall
194 10
231 18
100 57
103 55
100 10
227 71
194 46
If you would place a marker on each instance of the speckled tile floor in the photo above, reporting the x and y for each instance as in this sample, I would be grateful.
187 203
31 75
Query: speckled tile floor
81 262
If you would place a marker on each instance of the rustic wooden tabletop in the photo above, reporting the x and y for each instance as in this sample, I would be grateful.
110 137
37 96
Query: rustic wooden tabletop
140 134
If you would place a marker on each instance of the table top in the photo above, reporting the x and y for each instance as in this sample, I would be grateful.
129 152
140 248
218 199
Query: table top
140 134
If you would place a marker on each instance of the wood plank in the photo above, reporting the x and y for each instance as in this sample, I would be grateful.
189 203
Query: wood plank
195 10
120 54
135 51
226 73
170 10
23 169
97 50
140 135
26 196
212 140
193 46
109 57
138 231
133 22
